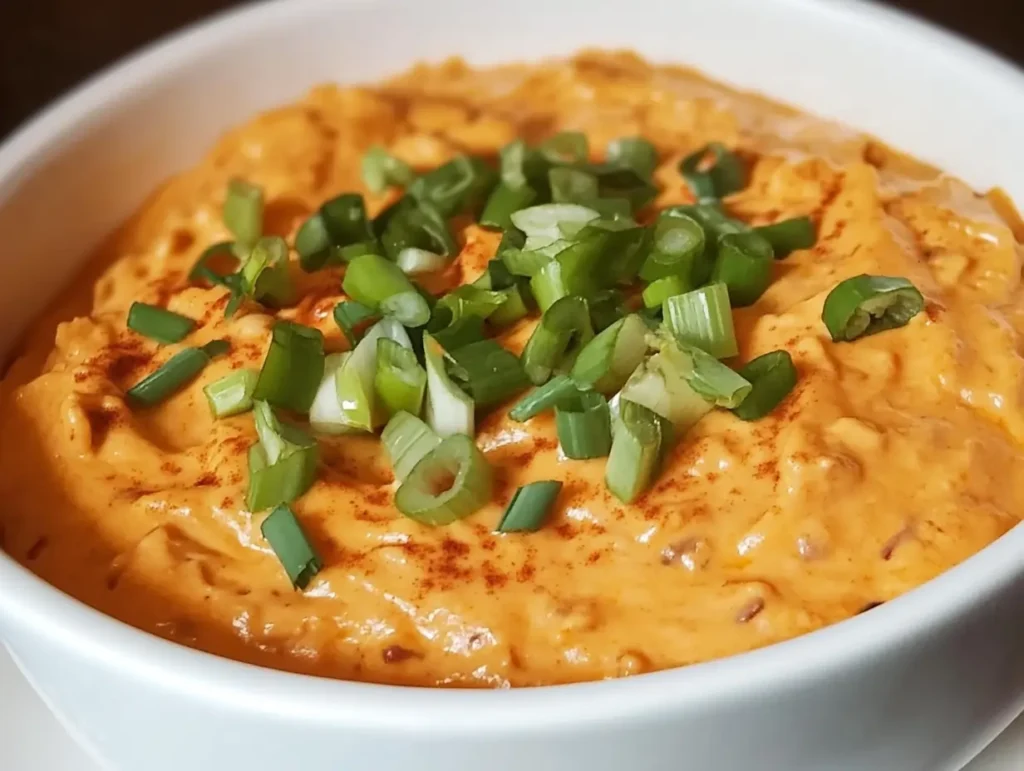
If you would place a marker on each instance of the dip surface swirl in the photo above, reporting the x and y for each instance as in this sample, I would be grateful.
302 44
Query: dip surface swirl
893 459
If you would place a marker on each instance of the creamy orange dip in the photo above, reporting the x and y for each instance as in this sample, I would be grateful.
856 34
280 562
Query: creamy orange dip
895 458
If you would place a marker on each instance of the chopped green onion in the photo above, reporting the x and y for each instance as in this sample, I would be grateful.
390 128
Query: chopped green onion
525 262
562 332
634 153
460 184
468 329
174 374
355 406
613 209
703 318
413 261
576 270
618 182
407 439
636 451
789 235
158 323
607 361
657 292
264 274
606 307
201 270
326 415
503 202
744 265
345 220
714 171
513 158
381 169
715 381
773 376
449 483
232 393
865 305
282 465
293 368
565 148
661 385
292 547
400 381
572 185
419 226
489 373
496 277
529 507
351 317
449 409
512 310
623 251
552 221
469 300
313 244
543 398
378 283
243 212
677 242
584 425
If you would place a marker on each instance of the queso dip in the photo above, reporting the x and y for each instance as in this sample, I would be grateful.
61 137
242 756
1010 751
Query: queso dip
894 456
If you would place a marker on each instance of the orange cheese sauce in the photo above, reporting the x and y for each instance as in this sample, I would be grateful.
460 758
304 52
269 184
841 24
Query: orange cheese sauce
896 457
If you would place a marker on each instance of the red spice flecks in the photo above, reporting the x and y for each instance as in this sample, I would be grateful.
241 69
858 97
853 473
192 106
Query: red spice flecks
749 611
396 654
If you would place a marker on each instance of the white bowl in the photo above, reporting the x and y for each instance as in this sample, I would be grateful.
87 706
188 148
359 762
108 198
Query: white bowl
923 682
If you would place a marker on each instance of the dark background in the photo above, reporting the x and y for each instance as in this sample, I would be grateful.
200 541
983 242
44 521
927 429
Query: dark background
47 46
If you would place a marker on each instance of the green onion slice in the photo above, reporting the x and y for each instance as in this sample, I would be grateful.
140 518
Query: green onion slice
264 273
400 381
543 398
703 318
340 227
293 367
379 284
552 221
505 201
789 235
291 545
469 300
354 380
657 292
616 182
158 323
565 148
243 212
468 329
412 261
282 465
419 226
326 415
513 159
634 153
715 381
572 185
713 171
174 374
562 332
636 451
607 361
528 262
489 373
678 241
232 393
449 483
201 270
661 384
865 305
352 318
459 185
313 244
584 425
513 309
606 307
449 409
745 265
407 439
529 507
773 376
381 169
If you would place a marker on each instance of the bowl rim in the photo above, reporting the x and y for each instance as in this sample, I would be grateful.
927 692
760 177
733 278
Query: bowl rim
32 605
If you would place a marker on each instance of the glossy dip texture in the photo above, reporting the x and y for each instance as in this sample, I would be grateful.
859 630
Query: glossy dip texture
895 458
